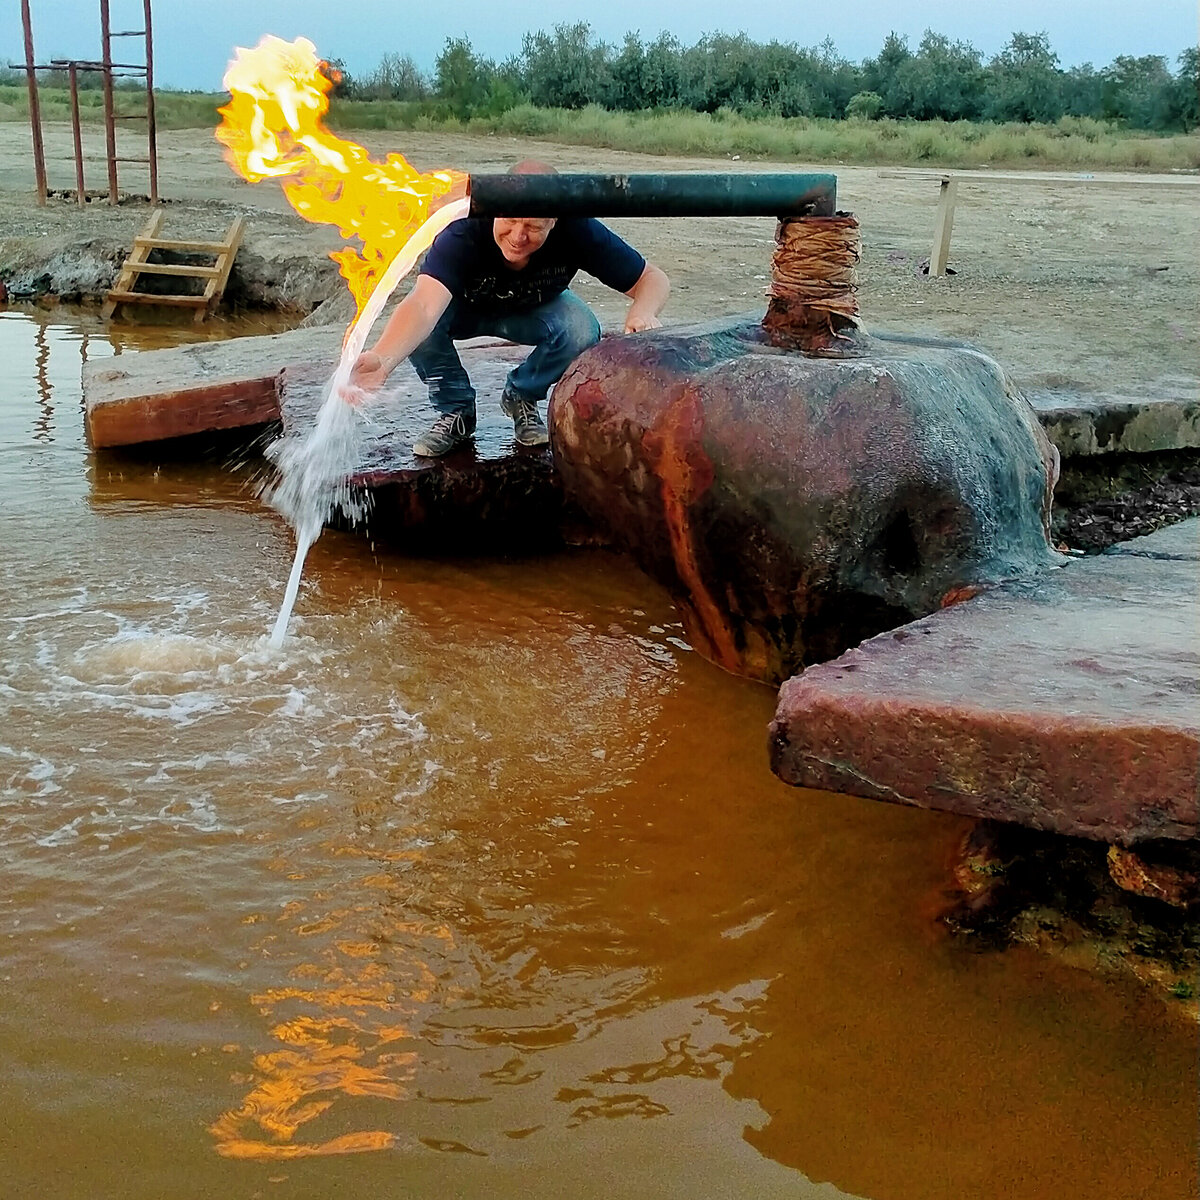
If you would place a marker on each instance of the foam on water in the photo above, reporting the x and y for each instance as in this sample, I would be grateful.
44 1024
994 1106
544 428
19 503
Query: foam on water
315 469
102 823
173 655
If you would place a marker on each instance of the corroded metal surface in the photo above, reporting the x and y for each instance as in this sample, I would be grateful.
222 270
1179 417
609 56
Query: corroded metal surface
679 194
796 504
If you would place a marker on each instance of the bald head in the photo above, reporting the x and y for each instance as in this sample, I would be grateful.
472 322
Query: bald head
532 166
519 238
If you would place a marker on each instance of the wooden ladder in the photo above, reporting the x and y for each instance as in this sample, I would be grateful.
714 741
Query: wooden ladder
217 275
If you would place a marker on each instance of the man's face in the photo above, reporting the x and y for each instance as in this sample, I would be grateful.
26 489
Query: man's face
519 237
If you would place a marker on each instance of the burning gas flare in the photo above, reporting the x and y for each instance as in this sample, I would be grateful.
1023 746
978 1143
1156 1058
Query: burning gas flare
273 128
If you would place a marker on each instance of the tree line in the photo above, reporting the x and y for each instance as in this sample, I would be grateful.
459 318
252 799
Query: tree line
570 68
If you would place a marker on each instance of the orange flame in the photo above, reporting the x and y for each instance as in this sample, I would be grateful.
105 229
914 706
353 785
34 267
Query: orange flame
272 128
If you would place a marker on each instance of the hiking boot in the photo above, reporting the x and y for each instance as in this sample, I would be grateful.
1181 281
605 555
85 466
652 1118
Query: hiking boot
528 428
448 431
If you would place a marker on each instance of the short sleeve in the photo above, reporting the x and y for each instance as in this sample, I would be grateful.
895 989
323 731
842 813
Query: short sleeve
450 255
610 258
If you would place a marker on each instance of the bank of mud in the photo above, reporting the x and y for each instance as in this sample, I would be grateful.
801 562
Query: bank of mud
1010 886
1105 499
64 269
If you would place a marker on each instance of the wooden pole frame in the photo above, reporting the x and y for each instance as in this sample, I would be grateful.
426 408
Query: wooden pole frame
108 70
151 125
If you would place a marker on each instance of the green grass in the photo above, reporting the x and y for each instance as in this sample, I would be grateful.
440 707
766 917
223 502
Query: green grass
172 110
1074 142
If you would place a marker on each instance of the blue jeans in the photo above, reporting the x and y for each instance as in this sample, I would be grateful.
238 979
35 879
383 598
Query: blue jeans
559 331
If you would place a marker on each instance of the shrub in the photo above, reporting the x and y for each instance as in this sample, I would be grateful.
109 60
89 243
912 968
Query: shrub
865 106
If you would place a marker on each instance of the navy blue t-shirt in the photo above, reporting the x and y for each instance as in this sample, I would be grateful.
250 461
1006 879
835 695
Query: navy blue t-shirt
465 258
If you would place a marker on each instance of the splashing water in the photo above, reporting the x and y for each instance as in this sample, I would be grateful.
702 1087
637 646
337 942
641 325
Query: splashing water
315 470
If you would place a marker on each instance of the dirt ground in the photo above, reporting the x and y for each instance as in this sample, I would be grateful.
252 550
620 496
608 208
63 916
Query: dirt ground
1073 284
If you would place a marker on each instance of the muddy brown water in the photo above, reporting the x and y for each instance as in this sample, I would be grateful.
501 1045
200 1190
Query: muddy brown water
480 887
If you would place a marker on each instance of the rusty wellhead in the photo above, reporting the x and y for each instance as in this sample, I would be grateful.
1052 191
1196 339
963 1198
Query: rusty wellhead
813 293
797 484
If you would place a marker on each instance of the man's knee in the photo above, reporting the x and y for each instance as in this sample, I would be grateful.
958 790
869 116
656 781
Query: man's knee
574 326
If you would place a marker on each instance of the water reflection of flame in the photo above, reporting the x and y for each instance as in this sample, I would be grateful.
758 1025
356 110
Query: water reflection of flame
347 1045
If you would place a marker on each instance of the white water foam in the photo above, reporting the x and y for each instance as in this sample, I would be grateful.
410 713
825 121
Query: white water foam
315 469
172 655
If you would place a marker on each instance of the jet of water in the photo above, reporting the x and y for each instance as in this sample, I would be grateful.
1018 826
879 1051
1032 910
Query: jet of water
315 468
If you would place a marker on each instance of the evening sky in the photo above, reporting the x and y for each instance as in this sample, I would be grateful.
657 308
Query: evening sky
194 38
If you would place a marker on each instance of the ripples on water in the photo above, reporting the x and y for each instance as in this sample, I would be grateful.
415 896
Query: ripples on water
482 872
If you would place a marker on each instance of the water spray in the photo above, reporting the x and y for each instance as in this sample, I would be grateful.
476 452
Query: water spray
315 470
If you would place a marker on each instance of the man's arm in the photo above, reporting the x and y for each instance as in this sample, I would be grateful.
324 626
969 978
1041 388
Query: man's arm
649 295
409 325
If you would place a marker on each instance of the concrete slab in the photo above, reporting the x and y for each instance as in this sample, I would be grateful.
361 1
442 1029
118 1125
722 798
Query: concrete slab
1181 541
489 491
1069 703
1081 425
199 388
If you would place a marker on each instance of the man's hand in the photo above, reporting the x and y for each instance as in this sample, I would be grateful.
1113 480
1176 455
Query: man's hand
407 327
636 320
649 295
370 372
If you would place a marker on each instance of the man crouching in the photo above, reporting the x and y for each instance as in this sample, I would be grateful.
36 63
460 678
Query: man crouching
507 278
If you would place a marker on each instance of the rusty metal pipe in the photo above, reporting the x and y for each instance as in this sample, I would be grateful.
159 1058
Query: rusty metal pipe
151 119
683 195
77 134
110 127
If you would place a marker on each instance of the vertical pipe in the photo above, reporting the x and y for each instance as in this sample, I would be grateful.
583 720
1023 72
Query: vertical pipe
35 111
110 123
73 73
151 135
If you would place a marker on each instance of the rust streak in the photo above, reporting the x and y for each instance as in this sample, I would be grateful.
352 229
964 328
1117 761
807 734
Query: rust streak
685 472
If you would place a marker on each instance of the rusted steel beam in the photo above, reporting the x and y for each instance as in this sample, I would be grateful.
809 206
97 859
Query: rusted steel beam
110 125
95 64
683 195
35 111
151 124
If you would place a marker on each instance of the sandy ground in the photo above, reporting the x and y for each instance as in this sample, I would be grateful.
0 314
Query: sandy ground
1082 285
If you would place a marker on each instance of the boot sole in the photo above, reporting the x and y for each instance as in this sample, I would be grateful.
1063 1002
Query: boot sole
423 451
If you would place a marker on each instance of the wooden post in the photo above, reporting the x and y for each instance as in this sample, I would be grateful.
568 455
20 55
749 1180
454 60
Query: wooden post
35 111
943 226
110 122
151 134
76 133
